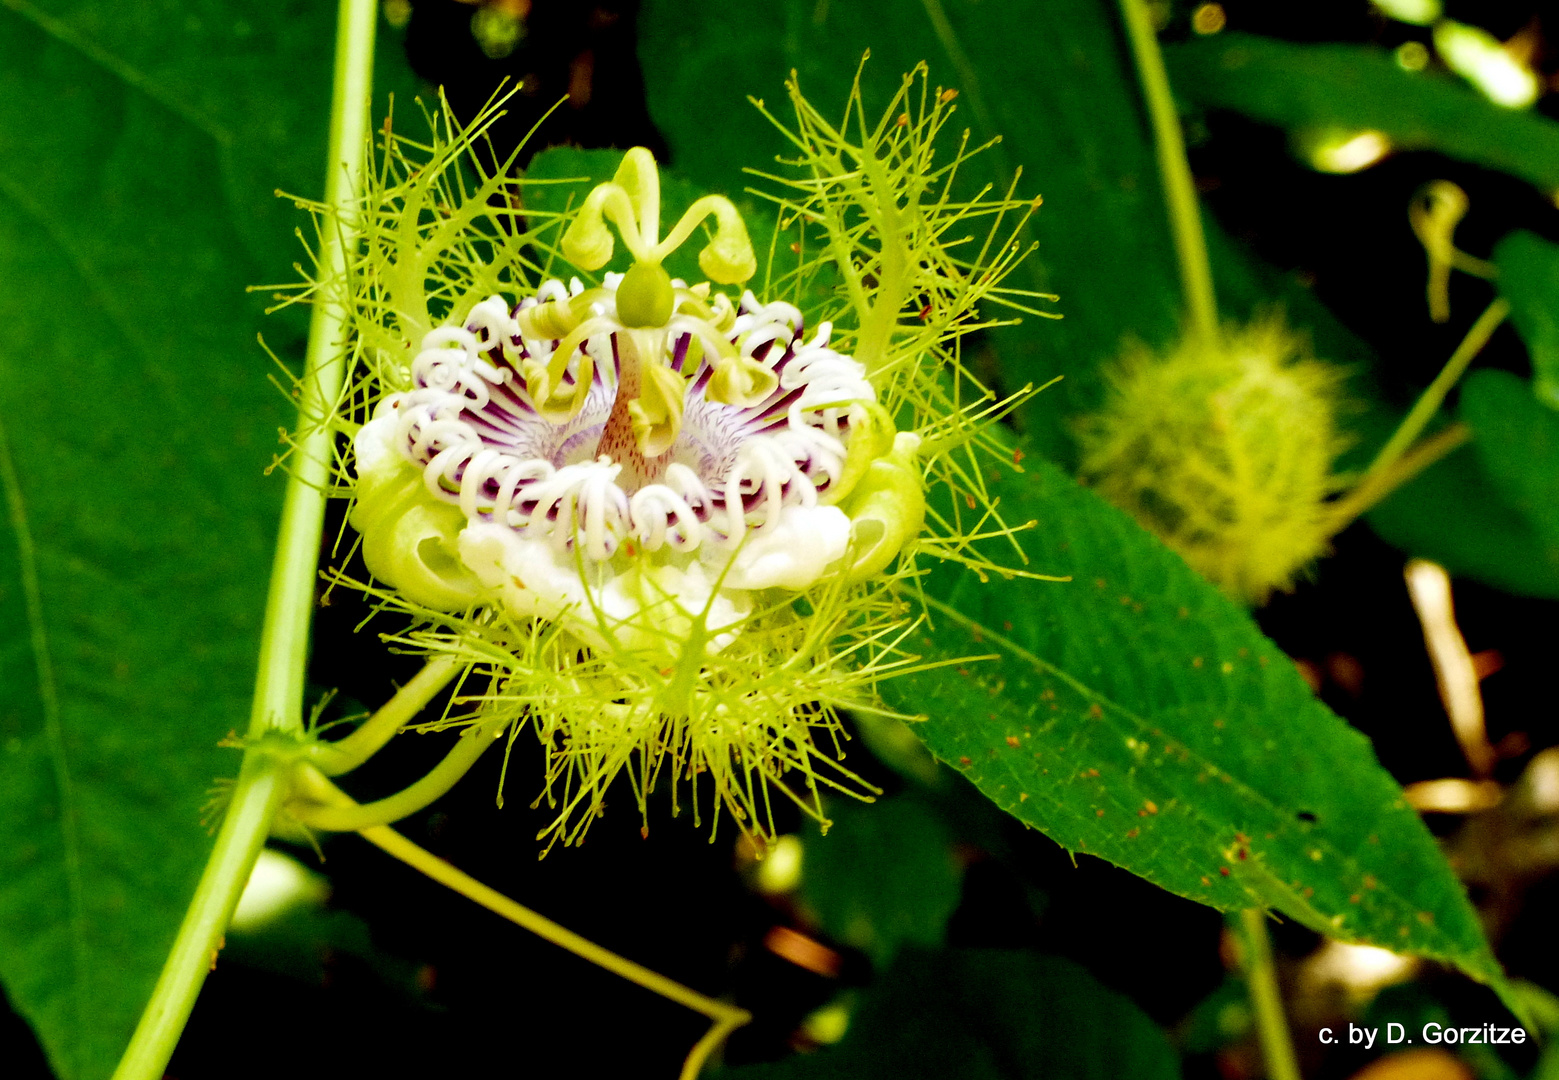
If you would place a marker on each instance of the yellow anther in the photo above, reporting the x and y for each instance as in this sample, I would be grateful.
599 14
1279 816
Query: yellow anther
740 381
656 415
549 321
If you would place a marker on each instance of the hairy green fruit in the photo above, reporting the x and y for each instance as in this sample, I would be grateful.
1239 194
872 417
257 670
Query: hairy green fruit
1225 452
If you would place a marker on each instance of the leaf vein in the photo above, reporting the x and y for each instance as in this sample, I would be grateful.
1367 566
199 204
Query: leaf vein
77 263
127 72
1247 793
32 596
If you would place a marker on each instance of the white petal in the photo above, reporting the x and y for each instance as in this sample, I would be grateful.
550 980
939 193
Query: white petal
794 552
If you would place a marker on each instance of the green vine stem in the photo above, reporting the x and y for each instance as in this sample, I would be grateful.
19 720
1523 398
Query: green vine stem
1277 1049
344 755
726 1018
1185 219
317 804
276 721
1396 463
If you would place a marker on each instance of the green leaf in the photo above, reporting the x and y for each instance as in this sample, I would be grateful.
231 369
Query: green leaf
1457 515
885 876
1136 714
1517 442
1352 88
1453 514
140 145
1529 279
985 1014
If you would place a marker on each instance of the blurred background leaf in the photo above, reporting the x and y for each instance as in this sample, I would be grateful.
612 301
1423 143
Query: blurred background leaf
1529 280
1454 515
140 147
1516 438
986 1014
885 876
1348 89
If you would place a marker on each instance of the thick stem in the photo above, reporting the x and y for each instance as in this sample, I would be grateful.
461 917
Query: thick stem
1185 219
278 698
256 796
1277 1047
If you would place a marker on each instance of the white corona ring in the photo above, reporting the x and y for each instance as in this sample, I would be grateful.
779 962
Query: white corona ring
563 521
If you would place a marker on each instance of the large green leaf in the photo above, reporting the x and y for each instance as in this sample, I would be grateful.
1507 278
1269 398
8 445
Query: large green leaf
1135 714
140 145
1350 88
1529 279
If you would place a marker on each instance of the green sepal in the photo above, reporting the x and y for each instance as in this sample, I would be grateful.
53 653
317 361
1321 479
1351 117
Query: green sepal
887 509
410 537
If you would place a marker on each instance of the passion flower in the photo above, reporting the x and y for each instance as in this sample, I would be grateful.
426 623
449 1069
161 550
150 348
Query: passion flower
668 523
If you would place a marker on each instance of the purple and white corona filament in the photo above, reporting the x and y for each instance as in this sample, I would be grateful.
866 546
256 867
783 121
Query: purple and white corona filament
569 518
